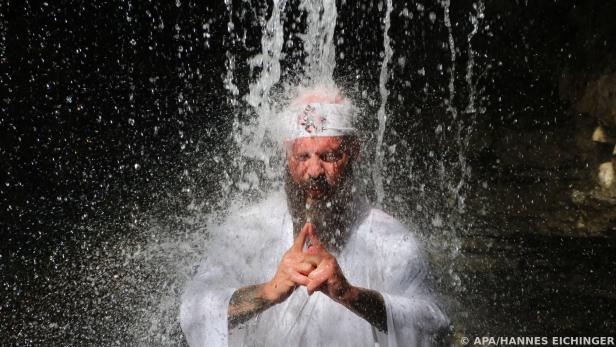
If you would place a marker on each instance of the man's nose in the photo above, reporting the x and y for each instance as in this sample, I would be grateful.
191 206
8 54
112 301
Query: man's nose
315 167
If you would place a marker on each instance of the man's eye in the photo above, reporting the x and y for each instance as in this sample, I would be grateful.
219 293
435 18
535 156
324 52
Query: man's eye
302 157
331 156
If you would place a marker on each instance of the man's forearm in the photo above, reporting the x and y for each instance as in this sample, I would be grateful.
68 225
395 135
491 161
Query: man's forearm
368 304
245 303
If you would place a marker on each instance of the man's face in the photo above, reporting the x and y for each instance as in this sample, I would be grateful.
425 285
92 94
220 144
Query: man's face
316 164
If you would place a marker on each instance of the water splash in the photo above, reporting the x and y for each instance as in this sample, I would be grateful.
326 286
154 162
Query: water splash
164 260
318 40
479 8
259 137
228 81
254 134
452 54
381 114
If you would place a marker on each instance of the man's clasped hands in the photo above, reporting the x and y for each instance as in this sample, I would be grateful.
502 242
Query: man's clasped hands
314 268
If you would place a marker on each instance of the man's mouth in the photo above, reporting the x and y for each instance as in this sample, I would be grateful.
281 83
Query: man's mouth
316 187
315 191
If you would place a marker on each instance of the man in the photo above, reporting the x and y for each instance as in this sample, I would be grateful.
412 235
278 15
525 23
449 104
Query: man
324 270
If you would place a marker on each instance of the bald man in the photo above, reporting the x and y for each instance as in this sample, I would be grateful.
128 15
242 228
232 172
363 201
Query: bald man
315 265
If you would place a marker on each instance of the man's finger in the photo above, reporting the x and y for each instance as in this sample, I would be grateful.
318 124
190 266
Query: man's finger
314 240
312 259
305 268
299 278
317 278
298 244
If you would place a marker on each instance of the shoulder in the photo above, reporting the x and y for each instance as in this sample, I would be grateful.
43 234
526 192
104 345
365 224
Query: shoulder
387 228
388 236
272 207
256 225
267 212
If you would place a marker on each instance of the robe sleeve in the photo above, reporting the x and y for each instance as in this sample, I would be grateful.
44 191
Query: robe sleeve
204 307
203 313
413 316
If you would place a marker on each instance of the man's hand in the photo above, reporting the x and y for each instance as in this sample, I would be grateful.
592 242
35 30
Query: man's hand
292 270
316 269
248 301
327 277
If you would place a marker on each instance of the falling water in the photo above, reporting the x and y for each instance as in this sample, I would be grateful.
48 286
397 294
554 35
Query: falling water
259 136
465 127
452 52
228 81
318 40
268 61
382 116
472 90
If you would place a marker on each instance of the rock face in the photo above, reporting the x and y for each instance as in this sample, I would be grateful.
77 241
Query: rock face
593 101
541 246
599 99
557 179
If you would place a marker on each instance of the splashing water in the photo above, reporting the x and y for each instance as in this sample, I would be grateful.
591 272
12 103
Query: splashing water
256 138
259 137
319 40
381 114
479 8
259 97
452 53
164 256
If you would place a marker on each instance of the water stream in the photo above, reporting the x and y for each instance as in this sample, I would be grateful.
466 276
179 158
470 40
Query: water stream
381 114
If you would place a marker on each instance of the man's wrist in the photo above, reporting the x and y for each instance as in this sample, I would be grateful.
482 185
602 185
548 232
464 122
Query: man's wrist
349 295
368 304
267 294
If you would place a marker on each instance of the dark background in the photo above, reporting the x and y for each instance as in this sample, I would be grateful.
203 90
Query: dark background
112 111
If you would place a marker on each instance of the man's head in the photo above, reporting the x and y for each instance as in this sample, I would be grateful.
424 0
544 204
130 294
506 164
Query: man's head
322 144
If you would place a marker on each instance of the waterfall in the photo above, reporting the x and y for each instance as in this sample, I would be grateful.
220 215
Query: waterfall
252 138
479 8
381 114
318 40
452 52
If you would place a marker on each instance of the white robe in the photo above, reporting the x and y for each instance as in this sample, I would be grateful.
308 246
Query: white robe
380 254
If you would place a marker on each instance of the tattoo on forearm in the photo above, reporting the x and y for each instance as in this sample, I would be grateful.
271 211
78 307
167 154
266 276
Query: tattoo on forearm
370 305
245 303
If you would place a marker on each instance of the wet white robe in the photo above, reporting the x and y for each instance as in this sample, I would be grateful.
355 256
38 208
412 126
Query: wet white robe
380 254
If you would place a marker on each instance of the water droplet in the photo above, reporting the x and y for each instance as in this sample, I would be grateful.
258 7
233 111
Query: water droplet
432 17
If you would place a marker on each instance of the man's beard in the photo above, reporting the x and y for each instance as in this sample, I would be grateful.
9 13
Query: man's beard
332 214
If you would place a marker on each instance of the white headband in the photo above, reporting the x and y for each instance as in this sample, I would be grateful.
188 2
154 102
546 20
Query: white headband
319 119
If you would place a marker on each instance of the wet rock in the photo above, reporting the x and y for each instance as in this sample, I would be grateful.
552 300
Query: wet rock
599 99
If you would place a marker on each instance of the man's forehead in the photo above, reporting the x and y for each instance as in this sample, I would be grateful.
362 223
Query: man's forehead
316 143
